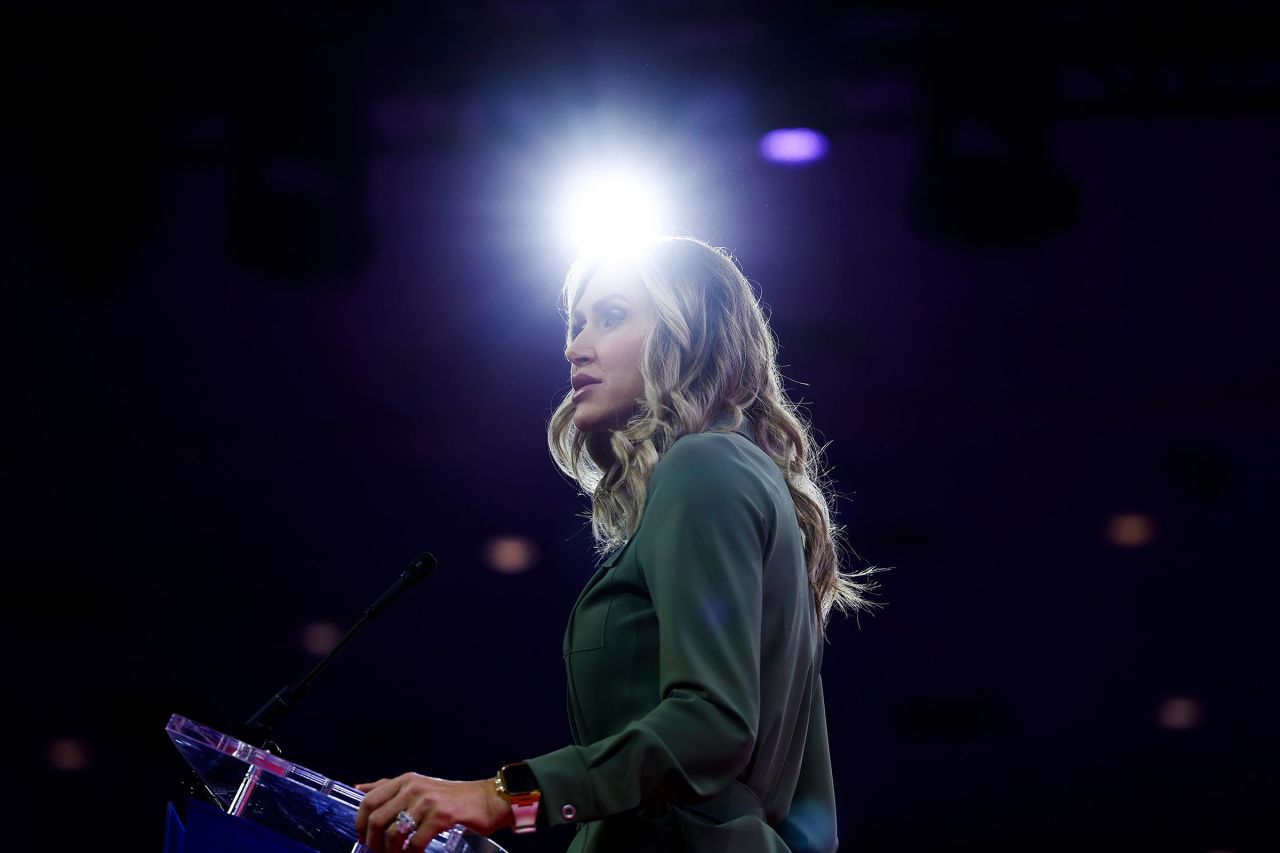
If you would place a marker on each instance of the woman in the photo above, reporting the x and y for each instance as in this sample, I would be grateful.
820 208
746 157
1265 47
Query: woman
693 654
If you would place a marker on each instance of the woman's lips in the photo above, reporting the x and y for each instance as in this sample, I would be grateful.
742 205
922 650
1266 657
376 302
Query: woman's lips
577 395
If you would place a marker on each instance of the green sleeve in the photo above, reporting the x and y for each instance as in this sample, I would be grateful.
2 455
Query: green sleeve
701 549
811 823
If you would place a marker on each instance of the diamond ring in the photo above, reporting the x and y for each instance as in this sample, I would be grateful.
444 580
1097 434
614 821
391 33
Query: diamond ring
405 823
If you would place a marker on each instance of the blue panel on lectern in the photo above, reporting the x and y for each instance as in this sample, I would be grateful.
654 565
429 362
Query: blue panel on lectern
173 831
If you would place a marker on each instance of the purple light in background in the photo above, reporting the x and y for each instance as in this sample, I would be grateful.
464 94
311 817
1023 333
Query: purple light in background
793 145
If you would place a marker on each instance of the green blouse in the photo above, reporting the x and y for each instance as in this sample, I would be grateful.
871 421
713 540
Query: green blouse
693 662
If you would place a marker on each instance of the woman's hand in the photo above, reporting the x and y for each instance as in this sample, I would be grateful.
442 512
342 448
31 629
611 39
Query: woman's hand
436 805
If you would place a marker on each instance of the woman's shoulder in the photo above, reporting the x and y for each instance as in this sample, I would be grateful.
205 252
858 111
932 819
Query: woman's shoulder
714 460
702 448
715 478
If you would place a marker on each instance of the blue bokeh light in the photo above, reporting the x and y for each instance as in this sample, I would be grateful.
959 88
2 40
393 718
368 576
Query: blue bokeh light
793 145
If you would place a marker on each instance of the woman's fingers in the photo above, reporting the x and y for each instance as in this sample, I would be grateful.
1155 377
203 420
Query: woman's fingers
372 816
399 831
418 843
379 829
436 817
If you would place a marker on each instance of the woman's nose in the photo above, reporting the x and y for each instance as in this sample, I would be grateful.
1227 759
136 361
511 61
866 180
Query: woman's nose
575 353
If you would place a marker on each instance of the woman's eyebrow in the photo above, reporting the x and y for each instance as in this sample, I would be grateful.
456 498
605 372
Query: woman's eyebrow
605 298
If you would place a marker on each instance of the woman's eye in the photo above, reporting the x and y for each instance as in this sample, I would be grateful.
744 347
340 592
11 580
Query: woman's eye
611 319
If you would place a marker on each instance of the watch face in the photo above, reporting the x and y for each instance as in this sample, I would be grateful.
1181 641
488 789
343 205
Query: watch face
519 779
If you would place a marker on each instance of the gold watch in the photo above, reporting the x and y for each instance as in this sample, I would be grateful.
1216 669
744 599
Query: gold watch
519 787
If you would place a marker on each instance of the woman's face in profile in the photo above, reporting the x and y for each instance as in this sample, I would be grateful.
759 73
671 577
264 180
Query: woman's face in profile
608 325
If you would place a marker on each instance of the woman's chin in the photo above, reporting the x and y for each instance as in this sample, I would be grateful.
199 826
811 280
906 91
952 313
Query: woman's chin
584 421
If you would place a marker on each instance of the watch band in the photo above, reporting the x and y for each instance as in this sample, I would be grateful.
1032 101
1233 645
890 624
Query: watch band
526 817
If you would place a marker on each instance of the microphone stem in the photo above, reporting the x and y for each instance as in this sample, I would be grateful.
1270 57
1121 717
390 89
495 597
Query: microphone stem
257 730
315 670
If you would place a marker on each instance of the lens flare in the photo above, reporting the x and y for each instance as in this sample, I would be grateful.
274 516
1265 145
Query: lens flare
612 211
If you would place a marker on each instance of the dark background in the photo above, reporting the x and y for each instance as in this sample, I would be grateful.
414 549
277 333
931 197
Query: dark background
280 312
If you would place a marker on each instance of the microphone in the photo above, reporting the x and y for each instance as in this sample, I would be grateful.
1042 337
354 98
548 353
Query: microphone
419 567
257 729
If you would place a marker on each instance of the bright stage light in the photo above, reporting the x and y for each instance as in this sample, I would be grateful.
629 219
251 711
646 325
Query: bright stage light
612 212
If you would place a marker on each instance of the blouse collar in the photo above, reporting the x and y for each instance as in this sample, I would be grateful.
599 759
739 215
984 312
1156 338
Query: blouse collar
745 429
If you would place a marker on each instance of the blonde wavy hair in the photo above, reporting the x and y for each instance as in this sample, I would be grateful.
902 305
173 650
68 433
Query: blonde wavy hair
709 353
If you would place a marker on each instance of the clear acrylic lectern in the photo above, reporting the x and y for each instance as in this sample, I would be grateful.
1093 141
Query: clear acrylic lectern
287 799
